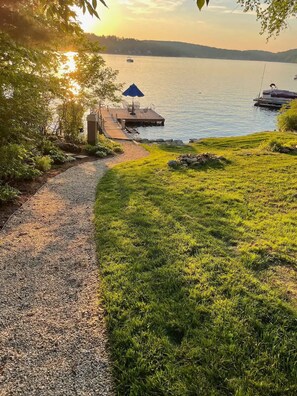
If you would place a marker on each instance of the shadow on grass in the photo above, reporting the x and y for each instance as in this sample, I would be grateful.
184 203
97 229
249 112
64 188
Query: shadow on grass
184 317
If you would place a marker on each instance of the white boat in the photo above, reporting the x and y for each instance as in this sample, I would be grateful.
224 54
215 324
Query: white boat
275 97
130 60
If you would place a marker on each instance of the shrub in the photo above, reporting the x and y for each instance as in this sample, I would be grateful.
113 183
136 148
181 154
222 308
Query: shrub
70 114
104 146
91 150
118 150
8 193
57 157
55 153
110 144
46 146
273 145
12 157
287 119
100 154
27 172
43 163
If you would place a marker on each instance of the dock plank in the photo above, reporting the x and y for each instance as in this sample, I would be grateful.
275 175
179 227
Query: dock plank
111 120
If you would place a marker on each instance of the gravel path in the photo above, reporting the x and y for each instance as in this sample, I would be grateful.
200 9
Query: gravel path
52 331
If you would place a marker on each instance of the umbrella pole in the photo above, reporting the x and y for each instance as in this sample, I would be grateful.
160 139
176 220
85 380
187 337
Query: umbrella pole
133 110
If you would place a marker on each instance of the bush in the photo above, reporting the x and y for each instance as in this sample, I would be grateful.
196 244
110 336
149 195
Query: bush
70 114
43 163
12 158
55 153
8 193
118 150
115 147
91 150
100 154
46 146
287 119
27 172
104 147
273 145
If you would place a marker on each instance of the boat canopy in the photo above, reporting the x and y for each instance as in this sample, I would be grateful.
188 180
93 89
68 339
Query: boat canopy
280 93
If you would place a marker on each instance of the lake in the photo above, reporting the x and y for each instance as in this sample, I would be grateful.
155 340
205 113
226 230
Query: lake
203 97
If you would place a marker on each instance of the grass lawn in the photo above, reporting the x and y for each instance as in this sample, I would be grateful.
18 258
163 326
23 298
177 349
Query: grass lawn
198 271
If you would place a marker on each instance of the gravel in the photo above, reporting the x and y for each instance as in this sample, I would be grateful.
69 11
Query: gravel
52 331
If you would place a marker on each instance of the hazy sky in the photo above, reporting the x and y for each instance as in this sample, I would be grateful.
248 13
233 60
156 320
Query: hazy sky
222 24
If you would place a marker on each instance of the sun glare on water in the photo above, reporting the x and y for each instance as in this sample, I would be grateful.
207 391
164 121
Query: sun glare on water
69 66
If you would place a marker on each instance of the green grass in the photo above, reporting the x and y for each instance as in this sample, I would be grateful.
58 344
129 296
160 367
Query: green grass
184 256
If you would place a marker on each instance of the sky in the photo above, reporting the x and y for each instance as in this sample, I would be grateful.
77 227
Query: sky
222 24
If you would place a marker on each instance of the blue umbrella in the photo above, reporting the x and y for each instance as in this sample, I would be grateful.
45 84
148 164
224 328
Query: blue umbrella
133 91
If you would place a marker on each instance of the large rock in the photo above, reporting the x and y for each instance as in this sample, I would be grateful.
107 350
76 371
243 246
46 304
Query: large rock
196 161
70 147
173 164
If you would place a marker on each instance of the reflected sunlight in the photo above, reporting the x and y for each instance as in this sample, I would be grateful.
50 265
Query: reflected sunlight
69 66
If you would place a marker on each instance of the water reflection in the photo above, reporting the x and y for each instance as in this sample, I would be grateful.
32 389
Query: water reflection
203 97
68 65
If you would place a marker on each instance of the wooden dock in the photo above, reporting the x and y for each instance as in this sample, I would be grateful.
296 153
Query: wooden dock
113 121
110 126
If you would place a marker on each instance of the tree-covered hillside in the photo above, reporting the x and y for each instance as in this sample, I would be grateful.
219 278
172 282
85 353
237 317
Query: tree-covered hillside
130 46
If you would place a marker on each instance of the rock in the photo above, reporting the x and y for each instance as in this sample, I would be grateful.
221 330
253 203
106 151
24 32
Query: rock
193 140
191 161
195 161
70 159
178 142
69 147
81 156
173 164
285 150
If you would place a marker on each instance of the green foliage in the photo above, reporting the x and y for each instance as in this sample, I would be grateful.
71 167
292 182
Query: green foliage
118 150
8 193
27 86
103 148
43 163
273 145
49 148
27 172
201 3
16 163
12 158
31 88
185 258
96 81
116 147
272 14
101 154
39 20
287 119
70 119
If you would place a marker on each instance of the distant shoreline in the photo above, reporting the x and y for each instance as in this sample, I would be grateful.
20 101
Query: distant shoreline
191 57
131 47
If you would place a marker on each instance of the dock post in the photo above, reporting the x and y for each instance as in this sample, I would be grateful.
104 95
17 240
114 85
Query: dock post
123 124
92 135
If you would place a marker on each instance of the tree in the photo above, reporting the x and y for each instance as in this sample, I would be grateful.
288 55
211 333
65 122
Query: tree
272 14
22 19
30 35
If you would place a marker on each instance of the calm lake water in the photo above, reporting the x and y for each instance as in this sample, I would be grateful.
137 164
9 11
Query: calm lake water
203 97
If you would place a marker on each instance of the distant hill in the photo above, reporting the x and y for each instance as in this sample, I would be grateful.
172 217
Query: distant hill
124 46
